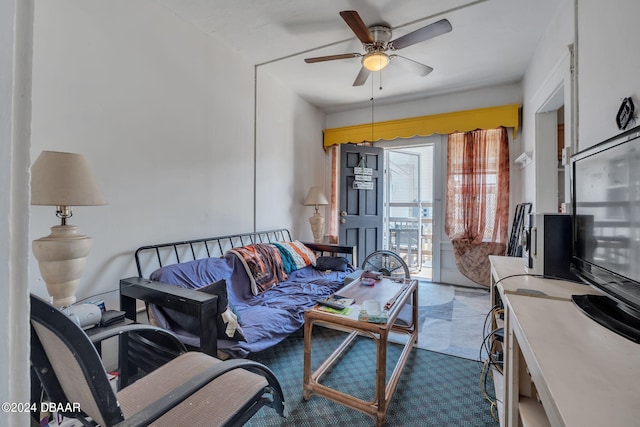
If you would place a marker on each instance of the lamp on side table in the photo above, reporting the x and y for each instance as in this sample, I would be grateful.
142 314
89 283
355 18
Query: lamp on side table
63 180
316 197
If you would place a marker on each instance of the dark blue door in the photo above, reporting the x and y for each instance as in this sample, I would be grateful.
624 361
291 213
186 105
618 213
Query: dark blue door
360 223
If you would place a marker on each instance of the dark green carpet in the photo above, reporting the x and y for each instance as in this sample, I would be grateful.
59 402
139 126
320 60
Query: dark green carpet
434 390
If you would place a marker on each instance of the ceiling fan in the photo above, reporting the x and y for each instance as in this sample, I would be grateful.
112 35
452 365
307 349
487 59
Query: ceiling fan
376 41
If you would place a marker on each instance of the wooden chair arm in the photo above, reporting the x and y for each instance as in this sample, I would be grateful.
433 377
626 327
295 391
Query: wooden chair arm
200 305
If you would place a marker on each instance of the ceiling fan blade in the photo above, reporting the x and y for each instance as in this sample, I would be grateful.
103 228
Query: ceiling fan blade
425 33
332 57
357 25
410 65
362 77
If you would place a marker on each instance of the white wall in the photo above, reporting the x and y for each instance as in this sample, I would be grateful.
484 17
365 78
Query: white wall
445 269
164 115
608 66
466 100
606 73
16 21
291 157
139 93
547 86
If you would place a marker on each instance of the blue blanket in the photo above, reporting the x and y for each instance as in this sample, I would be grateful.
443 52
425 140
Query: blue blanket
266 318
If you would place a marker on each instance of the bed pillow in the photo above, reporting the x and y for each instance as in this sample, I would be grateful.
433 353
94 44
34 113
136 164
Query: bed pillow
333 263
228 323
193 274
301 255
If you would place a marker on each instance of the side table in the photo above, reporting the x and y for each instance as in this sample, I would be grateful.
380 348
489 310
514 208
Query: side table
97 334
148 348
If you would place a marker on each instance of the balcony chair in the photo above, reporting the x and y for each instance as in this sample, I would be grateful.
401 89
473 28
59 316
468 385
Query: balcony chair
191 389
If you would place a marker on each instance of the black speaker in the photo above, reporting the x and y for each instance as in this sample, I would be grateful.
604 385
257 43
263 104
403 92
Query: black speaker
548 246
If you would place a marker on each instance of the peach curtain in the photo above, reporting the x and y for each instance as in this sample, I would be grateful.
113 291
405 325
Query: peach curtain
477 207
333 203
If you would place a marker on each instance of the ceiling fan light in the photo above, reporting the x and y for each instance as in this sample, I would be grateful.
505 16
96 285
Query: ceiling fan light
375 61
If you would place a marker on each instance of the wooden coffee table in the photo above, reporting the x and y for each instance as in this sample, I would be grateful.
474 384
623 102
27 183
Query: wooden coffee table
395 294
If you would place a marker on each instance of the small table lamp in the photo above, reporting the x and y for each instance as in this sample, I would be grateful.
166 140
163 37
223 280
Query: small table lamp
316 197
63 180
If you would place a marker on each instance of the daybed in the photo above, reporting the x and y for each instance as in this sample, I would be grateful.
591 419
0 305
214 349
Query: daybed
186 293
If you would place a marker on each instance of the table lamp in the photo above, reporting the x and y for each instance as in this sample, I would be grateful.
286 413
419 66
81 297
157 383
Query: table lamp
63 180
316 197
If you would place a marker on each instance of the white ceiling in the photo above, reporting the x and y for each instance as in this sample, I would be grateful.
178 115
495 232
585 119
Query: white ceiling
491 43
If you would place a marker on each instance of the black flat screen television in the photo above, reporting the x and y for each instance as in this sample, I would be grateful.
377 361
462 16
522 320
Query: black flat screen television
606 238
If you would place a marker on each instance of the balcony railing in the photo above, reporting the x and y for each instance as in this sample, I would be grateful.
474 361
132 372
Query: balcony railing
411 237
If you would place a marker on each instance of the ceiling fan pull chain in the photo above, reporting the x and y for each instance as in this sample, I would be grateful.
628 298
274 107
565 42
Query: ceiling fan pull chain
372 112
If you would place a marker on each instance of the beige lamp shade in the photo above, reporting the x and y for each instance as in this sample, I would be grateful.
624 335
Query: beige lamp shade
64 179
315 197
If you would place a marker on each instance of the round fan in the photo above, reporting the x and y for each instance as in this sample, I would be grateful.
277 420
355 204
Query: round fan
376 42
388 263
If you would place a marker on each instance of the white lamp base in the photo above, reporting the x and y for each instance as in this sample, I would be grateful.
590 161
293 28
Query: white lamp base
317 227
61 257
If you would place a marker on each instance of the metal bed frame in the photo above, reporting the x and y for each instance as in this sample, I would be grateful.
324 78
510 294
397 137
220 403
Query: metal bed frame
201 305
205 247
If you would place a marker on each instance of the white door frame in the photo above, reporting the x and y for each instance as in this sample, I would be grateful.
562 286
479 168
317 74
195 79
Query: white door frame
438 191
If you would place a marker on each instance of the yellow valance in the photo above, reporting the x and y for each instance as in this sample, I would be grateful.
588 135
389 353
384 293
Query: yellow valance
444 124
